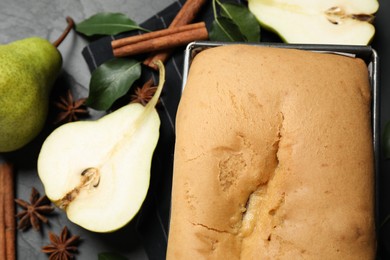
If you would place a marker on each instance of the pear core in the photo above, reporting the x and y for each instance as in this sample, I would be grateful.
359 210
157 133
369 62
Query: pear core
89 179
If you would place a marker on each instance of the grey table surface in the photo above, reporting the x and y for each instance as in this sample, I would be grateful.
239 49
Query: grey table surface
46 18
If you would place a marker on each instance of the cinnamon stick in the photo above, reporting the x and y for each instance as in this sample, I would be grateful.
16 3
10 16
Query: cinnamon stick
151 35
3 246
7 212
187 13
185 16
170 38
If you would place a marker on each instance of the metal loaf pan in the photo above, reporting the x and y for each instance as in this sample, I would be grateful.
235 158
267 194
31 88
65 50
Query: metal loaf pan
366 53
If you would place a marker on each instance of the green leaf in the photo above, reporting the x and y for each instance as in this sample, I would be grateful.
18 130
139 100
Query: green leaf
107 24
386 141
244 19
224 29
111 256
112 80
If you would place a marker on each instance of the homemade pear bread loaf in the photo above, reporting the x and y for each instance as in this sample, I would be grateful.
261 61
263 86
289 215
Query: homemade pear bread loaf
273 157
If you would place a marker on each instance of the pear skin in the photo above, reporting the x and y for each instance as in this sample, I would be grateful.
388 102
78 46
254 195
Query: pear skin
29 68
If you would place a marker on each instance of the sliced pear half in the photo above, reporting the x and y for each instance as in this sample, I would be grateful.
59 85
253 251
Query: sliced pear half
316 21
99 171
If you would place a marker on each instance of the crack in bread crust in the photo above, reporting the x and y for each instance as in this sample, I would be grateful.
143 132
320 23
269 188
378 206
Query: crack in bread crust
210 228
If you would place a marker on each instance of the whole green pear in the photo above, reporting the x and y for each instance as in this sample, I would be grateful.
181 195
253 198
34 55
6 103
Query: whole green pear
28 70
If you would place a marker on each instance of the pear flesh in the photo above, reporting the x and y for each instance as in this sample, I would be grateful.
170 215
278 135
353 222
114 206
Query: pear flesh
99 171
28 68
318 22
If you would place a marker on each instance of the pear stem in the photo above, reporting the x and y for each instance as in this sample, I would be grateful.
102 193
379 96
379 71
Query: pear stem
65 33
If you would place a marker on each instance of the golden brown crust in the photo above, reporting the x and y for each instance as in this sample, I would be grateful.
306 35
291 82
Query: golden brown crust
273 157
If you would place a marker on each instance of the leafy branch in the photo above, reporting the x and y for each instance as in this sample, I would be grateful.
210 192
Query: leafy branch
112 79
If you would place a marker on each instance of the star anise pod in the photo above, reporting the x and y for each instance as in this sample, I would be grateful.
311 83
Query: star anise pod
144 94
34 211
62 247
70 110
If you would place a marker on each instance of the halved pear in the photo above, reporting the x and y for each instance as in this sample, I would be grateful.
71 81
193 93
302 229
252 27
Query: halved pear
318 22
99 171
